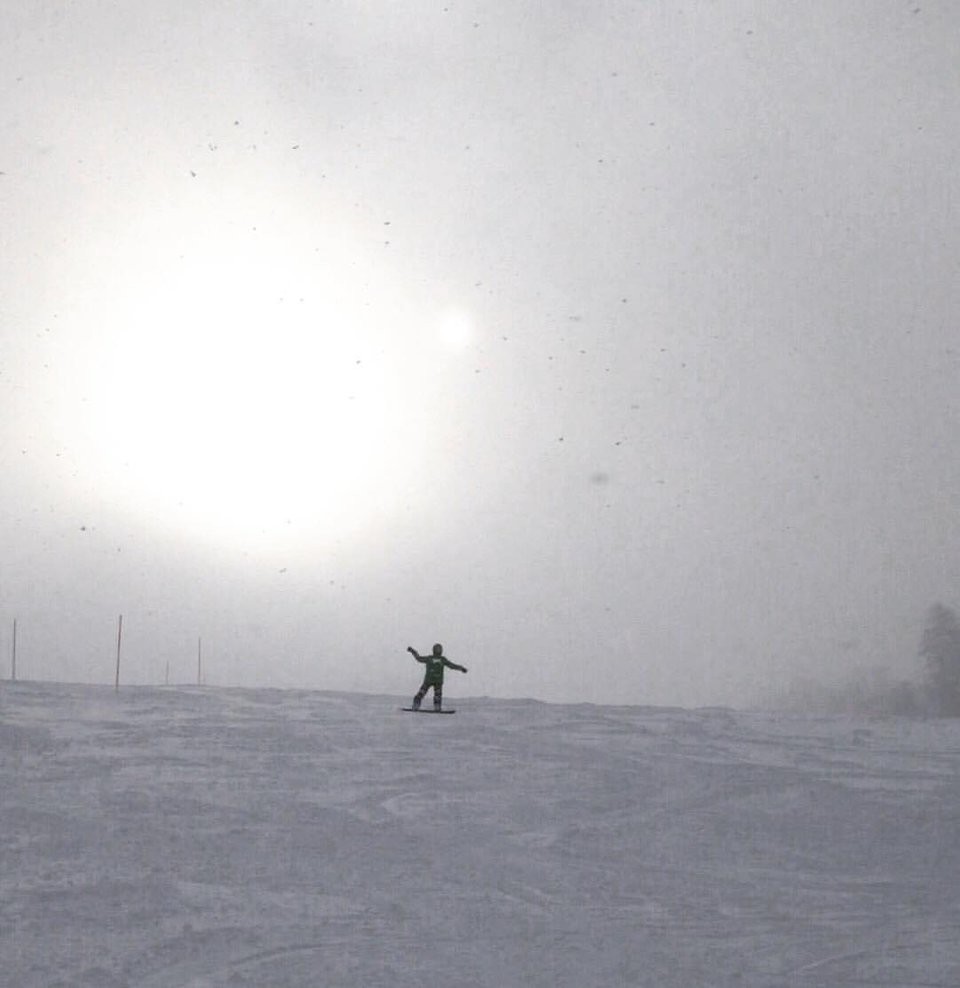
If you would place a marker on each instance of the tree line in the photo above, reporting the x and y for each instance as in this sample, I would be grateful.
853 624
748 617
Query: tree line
933 690
940 651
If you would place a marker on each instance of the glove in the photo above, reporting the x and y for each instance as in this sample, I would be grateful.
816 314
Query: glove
411 650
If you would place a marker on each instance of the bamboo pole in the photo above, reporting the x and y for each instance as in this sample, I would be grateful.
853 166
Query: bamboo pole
116 684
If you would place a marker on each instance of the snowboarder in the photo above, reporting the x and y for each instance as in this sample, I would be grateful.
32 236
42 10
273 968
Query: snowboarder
433 675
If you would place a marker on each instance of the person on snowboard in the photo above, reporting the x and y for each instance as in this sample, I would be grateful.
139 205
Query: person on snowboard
433 675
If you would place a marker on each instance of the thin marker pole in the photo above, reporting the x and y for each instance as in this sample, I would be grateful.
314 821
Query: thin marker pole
199 662
116 684
13 657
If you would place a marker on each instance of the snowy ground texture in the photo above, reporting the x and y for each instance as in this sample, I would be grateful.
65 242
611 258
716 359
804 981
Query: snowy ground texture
185 837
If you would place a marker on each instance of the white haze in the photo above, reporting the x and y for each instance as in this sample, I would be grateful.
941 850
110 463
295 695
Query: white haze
612 344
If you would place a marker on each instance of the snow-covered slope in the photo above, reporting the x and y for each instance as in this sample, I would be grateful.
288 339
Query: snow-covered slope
182 837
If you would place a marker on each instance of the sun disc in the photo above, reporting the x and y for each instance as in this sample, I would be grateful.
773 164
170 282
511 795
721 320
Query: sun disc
455 329
245 412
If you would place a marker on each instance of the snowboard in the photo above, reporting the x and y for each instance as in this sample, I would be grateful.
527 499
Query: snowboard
426 710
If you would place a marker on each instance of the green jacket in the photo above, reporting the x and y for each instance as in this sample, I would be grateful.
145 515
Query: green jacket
435 664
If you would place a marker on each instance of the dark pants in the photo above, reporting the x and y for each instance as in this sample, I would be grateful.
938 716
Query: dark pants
437 694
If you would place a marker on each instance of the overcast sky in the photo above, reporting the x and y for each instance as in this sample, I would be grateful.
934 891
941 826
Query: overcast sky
612 344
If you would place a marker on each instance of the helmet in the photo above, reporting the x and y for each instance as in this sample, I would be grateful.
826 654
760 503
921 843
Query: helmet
438 649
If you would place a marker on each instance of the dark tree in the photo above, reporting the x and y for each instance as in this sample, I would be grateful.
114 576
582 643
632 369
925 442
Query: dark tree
940 649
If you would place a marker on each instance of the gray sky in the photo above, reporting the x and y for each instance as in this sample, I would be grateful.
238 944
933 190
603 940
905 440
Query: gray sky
612 344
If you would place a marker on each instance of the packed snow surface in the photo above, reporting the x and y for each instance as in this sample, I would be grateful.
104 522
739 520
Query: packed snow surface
186 837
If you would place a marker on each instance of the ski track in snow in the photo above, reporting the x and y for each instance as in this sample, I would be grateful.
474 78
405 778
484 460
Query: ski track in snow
188 838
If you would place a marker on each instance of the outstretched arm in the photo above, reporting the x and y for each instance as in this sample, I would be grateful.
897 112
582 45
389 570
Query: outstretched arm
415 654
453 665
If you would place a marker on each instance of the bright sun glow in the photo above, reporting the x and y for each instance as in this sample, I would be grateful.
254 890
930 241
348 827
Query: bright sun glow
455 328
253 398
